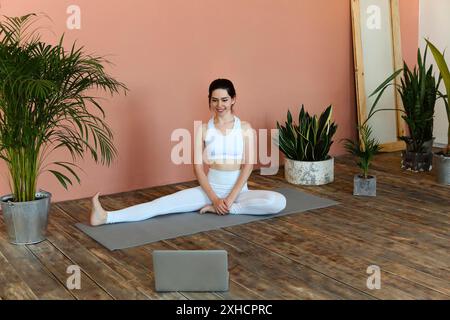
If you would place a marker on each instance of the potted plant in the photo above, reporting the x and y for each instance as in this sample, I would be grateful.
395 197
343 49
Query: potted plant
306 146
419 92
44 95
365 149
442 158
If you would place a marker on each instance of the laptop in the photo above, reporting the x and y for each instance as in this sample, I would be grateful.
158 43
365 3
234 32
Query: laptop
191 270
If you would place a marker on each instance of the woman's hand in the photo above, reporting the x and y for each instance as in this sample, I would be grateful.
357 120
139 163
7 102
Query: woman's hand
221 206
229 202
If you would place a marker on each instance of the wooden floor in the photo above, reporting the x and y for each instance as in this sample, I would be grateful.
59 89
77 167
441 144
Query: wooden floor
319 254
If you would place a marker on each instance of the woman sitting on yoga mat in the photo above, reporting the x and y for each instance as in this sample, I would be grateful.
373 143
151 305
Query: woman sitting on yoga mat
226 144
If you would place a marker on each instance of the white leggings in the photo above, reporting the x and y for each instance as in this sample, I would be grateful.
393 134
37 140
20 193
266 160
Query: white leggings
193 199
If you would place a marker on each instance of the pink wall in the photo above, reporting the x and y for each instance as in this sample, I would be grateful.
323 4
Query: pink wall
409 24
278 53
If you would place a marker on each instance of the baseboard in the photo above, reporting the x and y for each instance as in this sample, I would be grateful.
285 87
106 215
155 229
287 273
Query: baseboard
439 145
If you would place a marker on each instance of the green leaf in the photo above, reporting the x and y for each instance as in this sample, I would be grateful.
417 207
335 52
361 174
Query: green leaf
66 165
61 178
45 102
289 117
443 68
310 139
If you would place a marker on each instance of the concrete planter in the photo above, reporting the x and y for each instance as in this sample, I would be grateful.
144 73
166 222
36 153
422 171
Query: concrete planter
442 163
26 222
364 187
311 173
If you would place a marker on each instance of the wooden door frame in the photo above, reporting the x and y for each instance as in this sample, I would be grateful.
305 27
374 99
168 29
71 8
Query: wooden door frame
361 100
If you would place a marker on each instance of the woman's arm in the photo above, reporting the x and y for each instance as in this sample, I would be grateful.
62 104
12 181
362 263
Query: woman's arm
198 164
249 136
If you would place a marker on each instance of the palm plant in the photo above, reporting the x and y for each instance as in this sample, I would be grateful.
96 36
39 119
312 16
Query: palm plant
419 92
365 149
445 74
45 92
310 139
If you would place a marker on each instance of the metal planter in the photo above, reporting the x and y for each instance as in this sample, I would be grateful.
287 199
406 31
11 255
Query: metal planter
442 163
313 173
26 222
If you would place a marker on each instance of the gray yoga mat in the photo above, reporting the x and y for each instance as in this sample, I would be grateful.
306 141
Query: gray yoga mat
132 234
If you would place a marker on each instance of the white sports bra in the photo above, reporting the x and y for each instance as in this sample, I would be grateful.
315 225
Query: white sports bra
223 147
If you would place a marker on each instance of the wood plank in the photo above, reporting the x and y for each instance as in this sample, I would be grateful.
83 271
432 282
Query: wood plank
135 274
338 265
424 260
12 286
296 282
393 146
398 64
341 244
38 278
342 192
390 169
103 274
57 263
367 205
358 59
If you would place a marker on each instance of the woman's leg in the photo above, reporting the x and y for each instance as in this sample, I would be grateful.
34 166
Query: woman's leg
187 200
258 202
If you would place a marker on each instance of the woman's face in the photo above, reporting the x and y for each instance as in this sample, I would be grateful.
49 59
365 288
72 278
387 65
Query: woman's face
221 102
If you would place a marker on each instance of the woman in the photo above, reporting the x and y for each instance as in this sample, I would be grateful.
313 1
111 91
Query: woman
226 144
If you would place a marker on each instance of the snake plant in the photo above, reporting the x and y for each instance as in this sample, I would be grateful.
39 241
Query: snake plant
419 91
45 92
310 139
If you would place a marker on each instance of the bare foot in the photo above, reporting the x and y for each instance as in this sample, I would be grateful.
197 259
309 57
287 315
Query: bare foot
98 214
208 208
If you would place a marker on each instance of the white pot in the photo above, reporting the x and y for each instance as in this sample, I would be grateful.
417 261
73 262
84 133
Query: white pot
312 173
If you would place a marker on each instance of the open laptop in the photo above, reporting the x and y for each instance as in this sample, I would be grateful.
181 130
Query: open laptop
191 270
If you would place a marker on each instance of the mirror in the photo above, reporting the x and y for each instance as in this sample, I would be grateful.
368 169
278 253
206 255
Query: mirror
377 54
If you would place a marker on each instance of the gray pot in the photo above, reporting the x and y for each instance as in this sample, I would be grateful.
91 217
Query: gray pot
417 161
427 146
313 173
442 164
364 187
26 222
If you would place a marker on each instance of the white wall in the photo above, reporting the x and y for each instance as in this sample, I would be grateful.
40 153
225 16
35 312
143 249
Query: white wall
434 23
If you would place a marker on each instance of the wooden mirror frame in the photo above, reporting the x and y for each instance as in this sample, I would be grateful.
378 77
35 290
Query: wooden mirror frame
361 99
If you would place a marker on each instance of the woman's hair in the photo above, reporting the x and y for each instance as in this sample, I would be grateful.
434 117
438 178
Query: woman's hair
222 84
